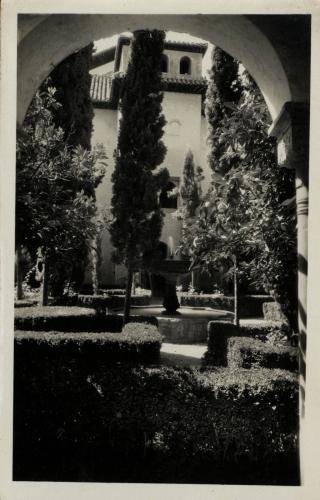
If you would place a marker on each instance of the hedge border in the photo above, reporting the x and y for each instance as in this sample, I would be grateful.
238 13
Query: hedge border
246 352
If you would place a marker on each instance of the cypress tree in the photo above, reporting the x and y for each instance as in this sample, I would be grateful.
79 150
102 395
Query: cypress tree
72 80
137 218
223 93
189 191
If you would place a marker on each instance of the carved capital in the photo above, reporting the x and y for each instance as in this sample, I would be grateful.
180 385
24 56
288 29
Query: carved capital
291 129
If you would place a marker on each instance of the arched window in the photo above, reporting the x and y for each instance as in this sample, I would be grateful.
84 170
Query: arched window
173 127
164 63
185 66
168 197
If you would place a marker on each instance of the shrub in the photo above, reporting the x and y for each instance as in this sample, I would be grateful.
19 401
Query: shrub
114 301
246 352
250 306
71 319
220 331
142 424
24 303
272 312
136 342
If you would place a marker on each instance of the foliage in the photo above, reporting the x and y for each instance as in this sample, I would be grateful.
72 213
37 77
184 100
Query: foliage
136 424
219 332
139 341
268 191
250 306
246 226
223 91
52 210
190 190
249 352
72 80
137 218
72 319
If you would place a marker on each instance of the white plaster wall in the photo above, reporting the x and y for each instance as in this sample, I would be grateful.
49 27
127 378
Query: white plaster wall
182 132
105 132
104 69
125 56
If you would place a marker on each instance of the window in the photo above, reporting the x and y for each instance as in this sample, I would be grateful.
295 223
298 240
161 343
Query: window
164 64
185 66
173 127
168 197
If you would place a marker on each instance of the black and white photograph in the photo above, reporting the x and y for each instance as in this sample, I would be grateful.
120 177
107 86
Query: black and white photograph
154 259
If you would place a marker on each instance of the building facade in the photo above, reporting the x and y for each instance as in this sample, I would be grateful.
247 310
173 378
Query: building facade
184 90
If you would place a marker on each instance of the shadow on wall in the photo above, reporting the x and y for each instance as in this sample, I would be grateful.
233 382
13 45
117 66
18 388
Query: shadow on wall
302 268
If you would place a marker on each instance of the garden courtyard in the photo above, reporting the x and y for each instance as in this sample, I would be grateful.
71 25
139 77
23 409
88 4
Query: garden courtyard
157 314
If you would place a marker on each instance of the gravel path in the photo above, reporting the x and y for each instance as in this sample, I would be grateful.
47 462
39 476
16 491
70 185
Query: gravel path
182 354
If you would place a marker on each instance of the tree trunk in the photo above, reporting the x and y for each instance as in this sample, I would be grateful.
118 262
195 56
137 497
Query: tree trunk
126 311
19 273
44 288
236 301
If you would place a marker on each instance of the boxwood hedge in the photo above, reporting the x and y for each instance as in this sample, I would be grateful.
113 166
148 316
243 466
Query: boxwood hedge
71 319
246 352
250 306
78 422
137 342
220 331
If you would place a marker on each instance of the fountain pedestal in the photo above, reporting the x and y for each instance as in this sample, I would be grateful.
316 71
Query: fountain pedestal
170 300
170 269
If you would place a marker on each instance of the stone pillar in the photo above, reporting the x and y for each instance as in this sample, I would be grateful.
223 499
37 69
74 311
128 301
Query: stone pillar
291 129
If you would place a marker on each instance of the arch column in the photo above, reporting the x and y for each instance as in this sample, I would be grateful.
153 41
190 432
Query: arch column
292 132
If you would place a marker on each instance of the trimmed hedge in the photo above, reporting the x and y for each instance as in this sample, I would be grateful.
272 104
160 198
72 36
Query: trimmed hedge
272 312
220 331
24 303
250 306
71 319
137 342
102 302
246 352
74 422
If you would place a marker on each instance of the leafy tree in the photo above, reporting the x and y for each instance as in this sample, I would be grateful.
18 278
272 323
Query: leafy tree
137 218
219 238
245 223
72 80
271 189
50 213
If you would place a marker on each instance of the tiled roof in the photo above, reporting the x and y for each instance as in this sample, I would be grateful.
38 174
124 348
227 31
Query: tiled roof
186 46
100 87
103 87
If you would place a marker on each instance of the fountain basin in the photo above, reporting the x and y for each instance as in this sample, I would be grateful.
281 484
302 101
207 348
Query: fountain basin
188 326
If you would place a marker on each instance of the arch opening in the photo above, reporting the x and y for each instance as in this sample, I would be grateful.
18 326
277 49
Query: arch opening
164 64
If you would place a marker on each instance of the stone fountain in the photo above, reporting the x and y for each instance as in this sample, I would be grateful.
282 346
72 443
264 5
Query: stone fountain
189 324
170 268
